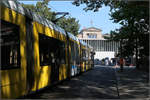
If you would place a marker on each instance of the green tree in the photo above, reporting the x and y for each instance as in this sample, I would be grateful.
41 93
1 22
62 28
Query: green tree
134 18
93 5
31 7
41 8
134 31
69 24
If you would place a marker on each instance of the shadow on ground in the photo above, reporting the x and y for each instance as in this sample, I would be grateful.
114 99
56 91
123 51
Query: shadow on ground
97 83
133 83
100 83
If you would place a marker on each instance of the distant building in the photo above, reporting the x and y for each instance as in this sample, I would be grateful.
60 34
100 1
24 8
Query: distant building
90 33
94 37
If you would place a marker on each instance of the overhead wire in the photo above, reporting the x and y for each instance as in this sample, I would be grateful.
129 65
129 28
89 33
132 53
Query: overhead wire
69 15
52 7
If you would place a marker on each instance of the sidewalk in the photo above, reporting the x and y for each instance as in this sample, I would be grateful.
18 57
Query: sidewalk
132 83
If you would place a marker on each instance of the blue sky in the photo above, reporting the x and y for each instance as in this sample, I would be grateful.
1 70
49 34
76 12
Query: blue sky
100 19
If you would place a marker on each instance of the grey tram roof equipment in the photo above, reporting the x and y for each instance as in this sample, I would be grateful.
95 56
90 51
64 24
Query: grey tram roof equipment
16 6
83 43
73 37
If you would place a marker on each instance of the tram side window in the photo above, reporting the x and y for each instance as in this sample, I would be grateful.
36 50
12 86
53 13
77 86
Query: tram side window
10 45
62 55
83 54
44 50
51 50
72 52
77 53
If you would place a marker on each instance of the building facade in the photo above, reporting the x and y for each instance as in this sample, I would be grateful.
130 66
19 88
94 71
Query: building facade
94 37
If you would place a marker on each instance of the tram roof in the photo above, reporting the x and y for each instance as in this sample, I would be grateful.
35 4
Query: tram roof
83 43
73 37
90 46
16 6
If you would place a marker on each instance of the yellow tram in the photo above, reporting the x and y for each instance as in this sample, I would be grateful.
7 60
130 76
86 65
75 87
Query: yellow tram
36 53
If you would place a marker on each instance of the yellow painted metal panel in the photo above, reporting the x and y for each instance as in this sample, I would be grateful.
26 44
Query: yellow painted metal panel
44 77
75 41
83 67
62 72
42 73
13 91
13 81
48 31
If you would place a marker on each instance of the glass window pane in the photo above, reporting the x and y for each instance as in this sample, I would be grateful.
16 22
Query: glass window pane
10 45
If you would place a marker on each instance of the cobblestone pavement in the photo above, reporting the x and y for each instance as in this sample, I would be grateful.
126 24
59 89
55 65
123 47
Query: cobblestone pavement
100 83
94 84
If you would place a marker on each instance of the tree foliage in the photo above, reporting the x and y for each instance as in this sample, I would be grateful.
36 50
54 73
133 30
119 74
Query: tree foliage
70 24
41 8
134 33
93 4
132 28
134 18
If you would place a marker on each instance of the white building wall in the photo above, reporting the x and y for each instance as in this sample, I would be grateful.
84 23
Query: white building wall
101 55
103 51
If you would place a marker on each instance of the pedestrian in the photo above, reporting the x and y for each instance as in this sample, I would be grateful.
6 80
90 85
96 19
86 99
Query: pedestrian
121 64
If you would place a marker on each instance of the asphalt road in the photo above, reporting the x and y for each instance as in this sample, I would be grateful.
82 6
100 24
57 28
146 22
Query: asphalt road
98 83
102 82
133 83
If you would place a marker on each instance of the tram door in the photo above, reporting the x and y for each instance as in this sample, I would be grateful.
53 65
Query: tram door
54 66
29 54
57 58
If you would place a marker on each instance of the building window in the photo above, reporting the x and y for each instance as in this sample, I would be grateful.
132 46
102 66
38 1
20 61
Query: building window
10 45
92 35
95 36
